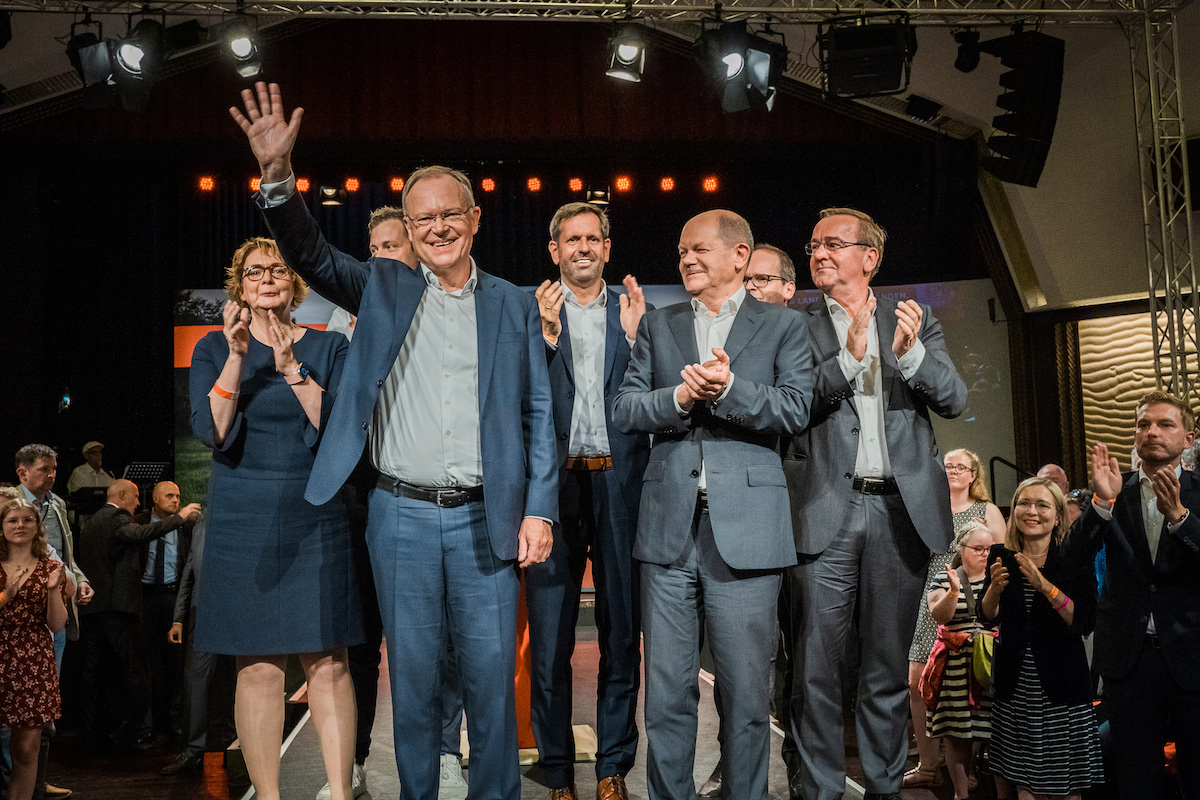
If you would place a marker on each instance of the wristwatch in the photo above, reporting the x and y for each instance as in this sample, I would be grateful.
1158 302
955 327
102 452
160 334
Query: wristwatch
301 375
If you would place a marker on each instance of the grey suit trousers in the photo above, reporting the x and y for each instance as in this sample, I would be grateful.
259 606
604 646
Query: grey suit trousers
875 569
739 612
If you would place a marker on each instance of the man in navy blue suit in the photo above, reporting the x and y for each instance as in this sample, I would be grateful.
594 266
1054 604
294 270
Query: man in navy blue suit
588 328
446 388
1147 643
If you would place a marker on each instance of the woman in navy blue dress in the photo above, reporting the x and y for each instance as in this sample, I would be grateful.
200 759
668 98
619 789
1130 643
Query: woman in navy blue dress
278 576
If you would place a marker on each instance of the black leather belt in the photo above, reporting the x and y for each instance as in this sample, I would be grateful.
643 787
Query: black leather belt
874 485
440 496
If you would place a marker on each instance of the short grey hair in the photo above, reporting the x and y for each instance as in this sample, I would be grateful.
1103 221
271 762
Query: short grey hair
869 231
437 171
572 210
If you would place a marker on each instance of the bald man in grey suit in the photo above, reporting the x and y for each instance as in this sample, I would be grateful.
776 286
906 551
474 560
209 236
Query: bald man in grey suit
869 500
716 381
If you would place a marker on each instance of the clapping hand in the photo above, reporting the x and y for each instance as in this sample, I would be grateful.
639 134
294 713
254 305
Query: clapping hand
952 576
236 326
1032 574
271 135
281 343
56 575
908 327
550 301
1106 473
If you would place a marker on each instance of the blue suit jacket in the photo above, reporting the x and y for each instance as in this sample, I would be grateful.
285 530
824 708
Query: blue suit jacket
629 451
516 426
820 461
747 496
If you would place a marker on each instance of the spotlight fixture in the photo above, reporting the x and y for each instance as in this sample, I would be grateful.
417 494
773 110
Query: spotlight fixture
396 184
332 196
627 53
968 50
302 184
207 183
623 183
241 47
255 182
488 184
867 55
710 184
746 67
88 52
667 184
575 184
597 197
534 184
352 184
139 54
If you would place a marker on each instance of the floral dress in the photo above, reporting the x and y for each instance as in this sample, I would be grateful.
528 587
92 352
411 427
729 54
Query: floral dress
28 680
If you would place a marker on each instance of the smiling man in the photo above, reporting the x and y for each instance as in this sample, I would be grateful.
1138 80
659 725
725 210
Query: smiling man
870 502
716 381
446 388
587 328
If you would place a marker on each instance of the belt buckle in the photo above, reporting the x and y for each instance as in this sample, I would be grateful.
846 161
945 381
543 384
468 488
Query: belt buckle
448 498
872 485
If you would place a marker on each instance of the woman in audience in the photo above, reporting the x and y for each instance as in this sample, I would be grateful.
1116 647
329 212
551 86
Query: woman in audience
962 716
1045 739
278 577
969 501
32 610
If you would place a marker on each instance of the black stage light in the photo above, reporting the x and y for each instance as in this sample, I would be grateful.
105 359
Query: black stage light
139 54
597 197
627 53
91 62
332 196
242 47
968 50
867 55
745 67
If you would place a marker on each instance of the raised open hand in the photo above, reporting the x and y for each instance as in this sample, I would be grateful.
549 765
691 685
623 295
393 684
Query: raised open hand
270 133
633 307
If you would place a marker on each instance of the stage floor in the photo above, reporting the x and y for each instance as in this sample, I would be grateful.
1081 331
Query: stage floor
109 775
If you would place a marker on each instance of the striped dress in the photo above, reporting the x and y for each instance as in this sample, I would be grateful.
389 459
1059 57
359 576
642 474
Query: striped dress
954 716
1051 749
926 629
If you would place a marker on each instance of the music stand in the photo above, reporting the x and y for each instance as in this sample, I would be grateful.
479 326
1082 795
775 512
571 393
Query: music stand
145 474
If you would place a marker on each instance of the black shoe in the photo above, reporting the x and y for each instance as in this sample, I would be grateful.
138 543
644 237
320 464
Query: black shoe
712 789
183 763
147 742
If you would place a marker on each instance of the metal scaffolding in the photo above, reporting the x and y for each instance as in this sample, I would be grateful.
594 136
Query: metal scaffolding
1166 199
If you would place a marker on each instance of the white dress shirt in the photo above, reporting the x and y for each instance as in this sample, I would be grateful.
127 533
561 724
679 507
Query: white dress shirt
425 429
711 332
866 378
587 326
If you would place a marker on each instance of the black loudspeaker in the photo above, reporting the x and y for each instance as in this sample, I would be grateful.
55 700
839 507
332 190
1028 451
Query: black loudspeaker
866 55
1032 89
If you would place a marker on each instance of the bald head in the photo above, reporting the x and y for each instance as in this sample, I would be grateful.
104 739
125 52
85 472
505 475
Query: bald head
166 499
123 494
1055 474
714 249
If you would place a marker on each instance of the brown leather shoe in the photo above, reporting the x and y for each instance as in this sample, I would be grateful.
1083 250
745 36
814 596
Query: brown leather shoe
612 788
564 793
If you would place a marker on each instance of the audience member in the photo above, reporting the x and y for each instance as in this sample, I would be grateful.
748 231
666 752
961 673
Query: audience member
445 360
961 718
37 468
279 577
91 473
164 559
1147 642
587 329
1057 475
714 531
870 502
1041 588
32 609
110 549
970 504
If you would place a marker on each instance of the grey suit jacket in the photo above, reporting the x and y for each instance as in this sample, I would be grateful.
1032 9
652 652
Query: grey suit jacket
58 507
820 461
768 350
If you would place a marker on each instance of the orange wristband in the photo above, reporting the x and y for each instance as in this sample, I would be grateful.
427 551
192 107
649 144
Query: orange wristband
222 393
1053 594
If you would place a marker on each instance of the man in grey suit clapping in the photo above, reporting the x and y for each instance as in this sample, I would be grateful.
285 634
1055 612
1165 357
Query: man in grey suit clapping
869 501
716 381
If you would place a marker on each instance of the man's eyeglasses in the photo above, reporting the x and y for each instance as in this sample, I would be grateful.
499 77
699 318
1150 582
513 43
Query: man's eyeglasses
761 281
831 246
451 217
978 548
279 272
958 469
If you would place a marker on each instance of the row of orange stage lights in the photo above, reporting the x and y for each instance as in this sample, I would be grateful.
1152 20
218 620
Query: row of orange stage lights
622 183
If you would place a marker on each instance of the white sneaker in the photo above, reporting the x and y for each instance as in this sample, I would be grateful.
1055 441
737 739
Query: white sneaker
451 785
358 784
